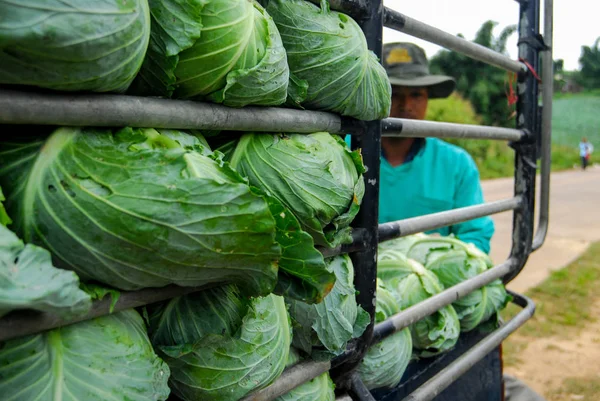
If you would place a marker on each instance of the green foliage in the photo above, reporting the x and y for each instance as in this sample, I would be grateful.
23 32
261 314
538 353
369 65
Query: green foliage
590 65
481 84
493 158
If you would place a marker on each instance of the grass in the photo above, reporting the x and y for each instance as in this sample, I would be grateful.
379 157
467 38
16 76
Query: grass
573 116
578 389
564 299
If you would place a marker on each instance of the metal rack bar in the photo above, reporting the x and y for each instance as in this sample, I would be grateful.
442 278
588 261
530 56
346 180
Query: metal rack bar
410 26
358 390
25 322
448 375
527 119
546 151
18 107
289 380
400 127
417 312
395 229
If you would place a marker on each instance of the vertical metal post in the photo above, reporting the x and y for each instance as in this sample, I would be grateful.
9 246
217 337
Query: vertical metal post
547 92
365 262
527 116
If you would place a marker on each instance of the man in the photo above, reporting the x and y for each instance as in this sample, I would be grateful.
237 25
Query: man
585 149
421 176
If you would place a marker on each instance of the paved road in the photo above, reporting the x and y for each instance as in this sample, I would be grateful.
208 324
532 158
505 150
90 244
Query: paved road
574 223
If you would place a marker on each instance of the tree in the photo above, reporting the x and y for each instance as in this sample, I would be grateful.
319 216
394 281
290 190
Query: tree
589 62
483 85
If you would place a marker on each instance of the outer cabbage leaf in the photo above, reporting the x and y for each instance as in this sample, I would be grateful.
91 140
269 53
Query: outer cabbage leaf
316 176
224 346
79 45
29 281
330 64
226 51
108 358
135 209
336 320
4 219
412 283
320 388
385 362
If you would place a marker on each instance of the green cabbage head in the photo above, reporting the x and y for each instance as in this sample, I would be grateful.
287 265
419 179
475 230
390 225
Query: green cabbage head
226 51
107 358
331 66
135 208
336 320
316 176
320 388
221 345
385 362
413 283
453 262
76 45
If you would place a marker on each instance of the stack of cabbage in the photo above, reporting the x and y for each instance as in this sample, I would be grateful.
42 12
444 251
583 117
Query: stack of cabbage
224 51
453 261
129 208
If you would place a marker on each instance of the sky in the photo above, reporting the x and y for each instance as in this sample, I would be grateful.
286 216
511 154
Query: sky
575 22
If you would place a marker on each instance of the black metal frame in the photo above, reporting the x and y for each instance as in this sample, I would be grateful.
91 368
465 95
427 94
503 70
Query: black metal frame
115 110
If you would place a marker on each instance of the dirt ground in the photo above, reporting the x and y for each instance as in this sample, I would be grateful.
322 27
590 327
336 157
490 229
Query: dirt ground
565 368
548 364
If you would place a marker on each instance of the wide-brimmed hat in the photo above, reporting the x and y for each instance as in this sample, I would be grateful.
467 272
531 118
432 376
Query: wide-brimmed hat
406 65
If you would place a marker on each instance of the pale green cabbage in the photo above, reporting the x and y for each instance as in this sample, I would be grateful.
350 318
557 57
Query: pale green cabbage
76 45
453 262
316 176
385 362
135 208
226 51
413 283
331 67
107 358
221 345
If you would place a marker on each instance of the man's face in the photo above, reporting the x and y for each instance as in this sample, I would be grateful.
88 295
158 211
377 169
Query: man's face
409 103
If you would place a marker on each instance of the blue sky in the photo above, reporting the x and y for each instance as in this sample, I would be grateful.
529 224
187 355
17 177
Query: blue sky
575 22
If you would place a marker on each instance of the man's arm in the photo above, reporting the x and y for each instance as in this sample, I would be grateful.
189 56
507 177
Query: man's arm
468 193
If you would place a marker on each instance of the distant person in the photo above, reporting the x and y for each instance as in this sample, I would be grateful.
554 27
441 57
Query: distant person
585 150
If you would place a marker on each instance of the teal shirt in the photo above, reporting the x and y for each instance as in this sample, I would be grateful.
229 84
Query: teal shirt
440 177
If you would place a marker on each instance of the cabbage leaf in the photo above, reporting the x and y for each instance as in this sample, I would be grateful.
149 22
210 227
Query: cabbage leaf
107 358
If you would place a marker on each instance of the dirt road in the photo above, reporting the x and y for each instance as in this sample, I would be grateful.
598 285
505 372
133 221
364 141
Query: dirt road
574 223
